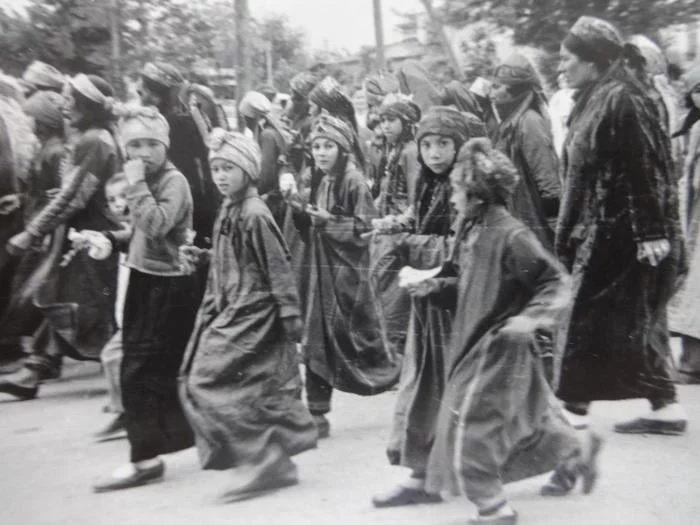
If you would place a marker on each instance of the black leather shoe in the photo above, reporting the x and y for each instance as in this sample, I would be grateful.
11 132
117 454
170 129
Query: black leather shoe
323 426
141 476
115 430
400 496
21 392
652 426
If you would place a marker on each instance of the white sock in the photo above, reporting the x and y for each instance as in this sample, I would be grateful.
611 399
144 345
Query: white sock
125 471
672 412
413 483
147 463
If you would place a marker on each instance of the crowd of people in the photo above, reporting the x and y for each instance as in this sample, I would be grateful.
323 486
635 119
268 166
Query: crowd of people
503 261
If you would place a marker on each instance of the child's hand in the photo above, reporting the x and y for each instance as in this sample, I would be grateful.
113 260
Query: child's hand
293 328
190 258
288 185
135 171
19 244
423 288
319 216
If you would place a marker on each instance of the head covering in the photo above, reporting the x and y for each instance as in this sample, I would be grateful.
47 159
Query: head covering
269 91
255 105
46 107
238 149
378 86
486 172
476 126
138 123
302 83
655 61
400 106
42 75
444 120
163 74
594 40
516 70
332 128
95 89
328 95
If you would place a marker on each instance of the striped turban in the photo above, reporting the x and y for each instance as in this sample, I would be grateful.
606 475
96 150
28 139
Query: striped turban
143 123
46 107
378 86
332 128
447 121
238 149
255 105
303 83
163 74
400 106
41 75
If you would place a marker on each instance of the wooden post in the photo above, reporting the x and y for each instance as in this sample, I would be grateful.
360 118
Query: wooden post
268 64
447 47
115 35
379 34
243 60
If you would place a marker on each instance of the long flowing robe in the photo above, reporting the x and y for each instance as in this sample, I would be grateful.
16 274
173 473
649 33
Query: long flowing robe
620 190
430 321
499 420
240 384
343 342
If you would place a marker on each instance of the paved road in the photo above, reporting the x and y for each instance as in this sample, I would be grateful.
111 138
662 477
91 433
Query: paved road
48 461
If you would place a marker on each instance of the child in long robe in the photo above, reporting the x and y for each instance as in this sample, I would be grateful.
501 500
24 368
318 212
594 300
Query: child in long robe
241 385
499 420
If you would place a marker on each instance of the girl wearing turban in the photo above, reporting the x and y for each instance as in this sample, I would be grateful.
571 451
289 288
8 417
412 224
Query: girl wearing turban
398 165
684 313
525 135
161 300
441 133
76 299
619 234
243 347
499 421
343 346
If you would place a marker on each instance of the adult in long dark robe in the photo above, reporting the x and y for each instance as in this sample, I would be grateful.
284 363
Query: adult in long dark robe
525 135
77 297
241 385
619 234
499 420
423 370
343 345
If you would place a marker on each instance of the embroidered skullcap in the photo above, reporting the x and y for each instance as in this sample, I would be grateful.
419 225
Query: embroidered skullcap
255 105
238 149
302 83
46 107
653 56
143 123
692 78
378 86
486 173
332 128
516 70
594 40
400 106
42 75
444 120
163 74
95 89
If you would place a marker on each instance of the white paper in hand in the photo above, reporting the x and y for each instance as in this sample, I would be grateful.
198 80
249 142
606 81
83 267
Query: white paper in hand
409 275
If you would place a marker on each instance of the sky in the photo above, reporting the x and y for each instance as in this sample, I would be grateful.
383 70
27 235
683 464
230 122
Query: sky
337 24
332 24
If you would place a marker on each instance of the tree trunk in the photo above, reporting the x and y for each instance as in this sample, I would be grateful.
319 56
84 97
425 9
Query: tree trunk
243 58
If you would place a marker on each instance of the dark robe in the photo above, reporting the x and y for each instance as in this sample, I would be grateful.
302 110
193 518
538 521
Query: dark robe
240 384
620 190
499 420
343 341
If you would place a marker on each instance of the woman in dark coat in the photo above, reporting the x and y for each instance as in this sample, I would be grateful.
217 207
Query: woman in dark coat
619 234
525 135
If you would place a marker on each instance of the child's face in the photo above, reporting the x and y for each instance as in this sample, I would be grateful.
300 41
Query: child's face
116 199
438 152
392 128
229 178
325 152
152 152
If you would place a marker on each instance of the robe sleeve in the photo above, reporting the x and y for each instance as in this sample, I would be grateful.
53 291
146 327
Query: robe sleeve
541 160
269 166
411 167
362 211
273 258
157 215
641 177
541 274
80 185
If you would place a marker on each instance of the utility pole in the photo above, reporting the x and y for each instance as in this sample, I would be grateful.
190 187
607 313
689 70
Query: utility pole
268 63
447 47
115 36
243 61
379 34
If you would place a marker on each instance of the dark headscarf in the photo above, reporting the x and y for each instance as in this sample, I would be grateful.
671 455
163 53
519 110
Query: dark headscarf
302 83
378 86
400 106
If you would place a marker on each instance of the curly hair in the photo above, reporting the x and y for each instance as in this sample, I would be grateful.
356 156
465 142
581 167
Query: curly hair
486 173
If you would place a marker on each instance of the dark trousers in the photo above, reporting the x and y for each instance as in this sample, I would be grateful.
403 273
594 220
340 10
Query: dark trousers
318 393
159 315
